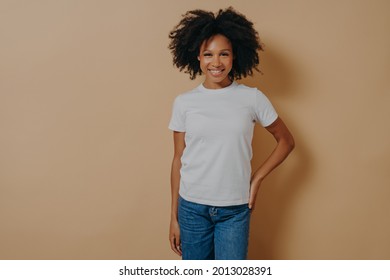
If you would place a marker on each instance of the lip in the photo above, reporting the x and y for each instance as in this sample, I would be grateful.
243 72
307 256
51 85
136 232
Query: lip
216 72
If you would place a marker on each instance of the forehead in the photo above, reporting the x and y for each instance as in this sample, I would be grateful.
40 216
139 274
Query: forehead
216 42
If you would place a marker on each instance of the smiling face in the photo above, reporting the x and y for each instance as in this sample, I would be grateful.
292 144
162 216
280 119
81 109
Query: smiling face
216 61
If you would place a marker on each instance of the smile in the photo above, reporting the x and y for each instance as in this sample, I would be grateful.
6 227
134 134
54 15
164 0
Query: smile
216 72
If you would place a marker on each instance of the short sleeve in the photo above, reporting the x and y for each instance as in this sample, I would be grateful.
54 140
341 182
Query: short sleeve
177 122
264 111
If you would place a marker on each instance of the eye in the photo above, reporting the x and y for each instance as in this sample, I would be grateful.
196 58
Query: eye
207 54
225 54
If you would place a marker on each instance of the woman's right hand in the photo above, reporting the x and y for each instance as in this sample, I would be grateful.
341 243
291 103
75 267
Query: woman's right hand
174 237
174 229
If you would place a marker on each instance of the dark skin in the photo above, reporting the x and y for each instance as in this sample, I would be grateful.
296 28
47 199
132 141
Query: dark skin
217 54
284 145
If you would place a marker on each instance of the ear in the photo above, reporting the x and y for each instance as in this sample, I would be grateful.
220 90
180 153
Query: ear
198 58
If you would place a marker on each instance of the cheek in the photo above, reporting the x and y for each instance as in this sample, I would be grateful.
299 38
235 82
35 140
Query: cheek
229 63
203 63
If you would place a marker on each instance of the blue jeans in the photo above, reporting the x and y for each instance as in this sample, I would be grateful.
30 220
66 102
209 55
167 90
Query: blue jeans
213 233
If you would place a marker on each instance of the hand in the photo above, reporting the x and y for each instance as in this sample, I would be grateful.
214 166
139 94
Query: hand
174 237
253 194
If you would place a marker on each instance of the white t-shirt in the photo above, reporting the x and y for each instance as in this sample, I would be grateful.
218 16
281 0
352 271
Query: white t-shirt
218 126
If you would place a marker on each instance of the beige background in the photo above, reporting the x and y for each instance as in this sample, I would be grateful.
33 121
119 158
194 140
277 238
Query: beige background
86 89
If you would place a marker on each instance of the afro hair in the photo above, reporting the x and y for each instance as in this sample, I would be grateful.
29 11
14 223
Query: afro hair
196 26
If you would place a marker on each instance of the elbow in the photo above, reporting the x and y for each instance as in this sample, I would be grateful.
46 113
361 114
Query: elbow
288 144
291 144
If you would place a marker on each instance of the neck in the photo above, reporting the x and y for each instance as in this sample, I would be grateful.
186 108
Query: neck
217 85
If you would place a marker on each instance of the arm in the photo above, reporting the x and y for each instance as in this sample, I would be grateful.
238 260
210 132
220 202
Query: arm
285 144
174 230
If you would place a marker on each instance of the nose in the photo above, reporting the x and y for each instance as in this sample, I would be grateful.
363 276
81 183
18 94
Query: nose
216 61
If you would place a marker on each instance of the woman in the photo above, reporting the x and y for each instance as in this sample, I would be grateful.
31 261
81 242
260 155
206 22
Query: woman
213 191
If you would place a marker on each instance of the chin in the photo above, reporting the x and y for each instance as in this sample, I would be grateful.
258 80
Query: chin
219 79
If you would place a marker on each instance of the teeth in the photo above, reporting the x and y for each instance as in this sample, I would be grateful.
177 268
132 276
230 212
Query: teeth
216 71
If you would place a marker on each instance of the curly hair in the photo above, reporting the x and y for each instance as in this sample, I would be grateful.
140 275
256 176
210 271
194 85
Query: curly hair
197 26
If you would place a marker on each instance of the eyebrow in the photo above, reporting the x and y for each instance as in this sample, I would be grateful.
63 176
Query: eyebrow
224 50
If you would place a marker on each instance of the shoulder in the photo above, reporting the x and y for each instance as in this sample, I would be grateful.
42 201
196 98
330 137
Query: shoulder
252 93
248 91
187 94
184 100
255 93
187 97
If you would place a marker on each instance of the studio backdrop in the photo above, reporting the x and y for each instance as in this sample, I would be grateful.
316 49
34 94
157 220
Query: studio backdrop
86 92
